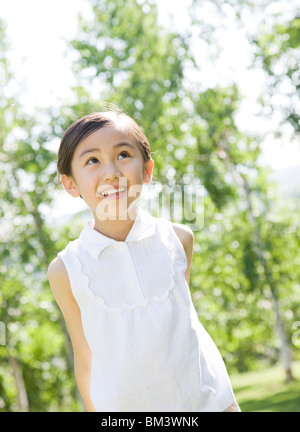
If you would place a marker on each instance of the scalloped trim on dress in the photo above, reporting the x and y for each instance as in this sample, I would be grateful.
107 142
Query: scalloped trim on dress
84 293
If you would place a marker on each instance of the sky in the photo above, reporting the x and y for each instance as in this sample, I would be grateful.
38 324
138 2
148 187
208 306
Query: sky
38 30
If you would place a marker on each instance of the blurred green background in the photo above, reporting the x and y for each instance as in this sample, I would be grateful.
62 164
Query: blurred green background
169 77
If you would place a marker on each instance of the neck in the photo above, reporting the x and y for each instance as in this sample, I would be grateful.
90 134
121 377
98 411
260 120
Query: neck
117 229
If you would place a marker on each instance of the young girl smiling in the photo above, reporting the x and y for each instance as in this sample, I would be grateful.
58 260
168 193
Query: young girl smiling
122 286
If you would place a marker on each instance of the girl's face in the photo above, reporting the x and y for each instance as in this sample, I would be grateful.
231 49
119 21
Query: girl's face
108 172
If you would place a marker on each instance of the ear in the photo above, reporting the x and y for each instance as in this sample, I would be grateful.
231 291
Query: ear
148 169
70 186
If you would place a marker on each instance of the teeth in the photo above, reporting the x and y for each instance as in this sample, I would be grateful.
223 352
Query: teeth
112 191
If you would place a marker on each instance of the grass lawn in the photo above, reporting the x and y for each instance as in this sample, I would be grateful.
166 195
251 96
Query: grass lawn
267 391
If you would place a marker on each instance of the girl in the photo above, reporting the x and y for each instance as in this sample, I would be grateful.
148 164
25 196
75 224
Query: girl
122 286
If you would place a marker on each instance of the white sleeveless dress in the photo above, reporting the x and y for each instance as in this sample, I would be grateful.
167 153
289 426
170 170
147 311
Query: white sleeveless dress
149 351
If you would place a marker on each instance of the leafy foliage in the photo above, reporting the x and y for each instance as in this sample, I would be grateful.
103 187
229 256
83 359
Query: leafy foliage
249 239
279 53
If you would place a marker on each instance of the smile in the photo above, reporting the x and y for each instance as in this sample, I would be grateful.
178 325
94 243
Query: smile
112 193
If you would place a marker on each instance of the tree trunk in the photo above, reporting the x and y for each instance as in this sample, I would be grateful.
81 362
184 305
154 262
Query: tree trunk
285 349
23 405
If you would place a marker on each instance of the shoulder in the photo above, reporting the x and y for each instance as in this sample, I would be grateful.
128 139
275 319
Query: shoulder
57 269
58 277
185 235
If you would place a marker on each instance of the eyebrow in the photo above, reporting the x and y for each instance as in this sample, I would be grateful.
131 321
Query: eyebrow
92 150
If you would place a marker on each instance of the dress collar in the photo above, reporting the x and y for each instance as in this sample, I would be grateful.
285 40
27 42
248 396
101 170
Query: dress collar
96 242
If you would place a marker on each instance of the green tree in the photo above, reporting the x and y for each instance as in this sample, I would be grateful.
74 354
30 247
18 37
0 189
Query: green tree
233 172
279 54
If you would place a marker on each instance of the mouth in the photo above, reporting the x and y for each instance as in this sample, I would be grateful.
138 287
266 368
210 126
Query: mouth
112 193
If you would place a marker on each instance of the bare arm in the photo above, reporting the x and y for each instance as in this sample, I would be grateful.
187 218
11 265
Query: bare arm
60 285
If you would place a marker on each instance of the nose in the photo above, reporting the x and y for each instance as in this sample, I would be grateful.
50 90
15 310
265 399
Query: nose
111 173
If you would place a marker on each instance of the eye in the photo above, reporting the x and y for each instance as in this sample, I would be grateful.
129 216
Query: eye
92 161
123 154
